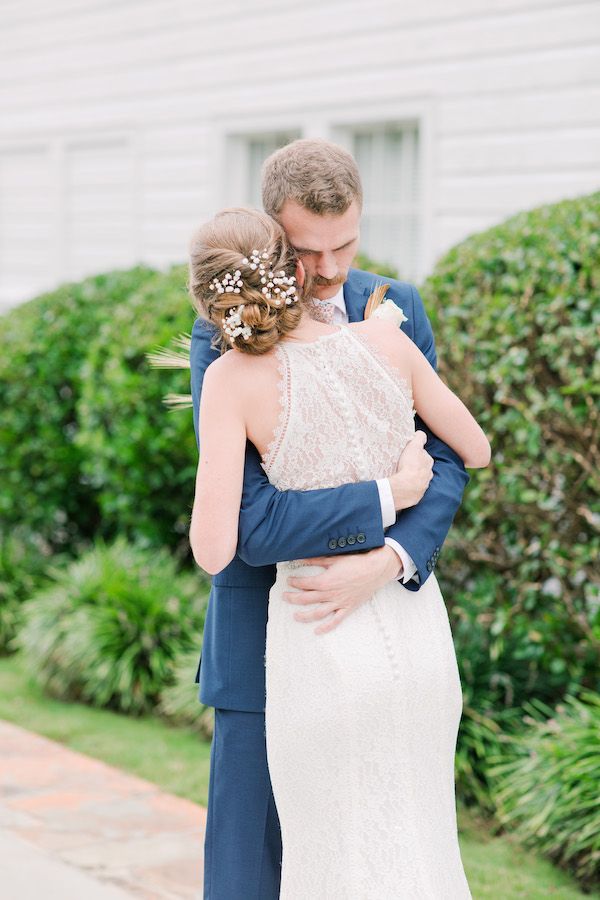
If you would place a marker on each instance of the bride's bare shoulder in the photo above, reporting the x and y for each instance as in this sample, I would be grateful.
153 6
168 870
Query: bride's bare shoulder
383 332
388 342
237 370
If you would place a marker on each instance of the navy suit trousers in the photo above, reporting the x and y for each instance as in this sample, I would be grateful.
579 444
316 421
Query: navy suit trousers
242 848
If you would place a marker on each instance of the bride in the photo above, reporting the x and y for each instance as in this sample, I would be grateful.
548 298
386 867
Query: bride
362 719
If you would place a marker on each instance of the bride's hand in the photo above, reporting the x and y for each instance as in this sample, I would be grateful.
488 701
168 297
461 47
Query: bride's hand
415 471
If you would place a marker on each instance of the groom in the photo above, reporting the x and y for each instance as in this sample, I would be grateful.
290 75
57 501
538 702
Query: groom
313 188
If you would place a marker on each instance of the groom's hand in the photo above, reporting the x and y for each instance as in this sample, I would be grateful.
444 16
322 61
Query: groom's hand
347 582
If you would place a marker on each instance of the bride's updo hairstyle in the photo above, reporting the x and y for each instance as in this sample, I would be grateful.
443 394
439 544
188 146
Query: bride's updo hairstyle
242 279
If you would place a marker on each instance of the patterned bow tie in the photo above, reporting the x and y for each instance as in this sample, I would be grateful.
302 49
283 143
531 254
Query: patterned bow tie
320 310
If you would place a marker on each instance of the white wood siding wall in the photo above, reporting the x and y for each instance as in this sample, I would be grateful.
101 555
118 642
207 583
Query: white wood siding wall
116 117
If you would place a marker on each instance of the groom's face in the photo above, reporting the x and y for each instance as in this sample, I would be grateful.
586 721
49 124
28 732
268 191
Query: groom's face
326 244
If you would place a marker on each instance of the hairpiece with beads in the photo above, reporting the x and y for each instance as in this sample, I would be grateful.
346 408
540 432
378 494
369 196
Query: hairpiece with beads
231 283
232 324
276 285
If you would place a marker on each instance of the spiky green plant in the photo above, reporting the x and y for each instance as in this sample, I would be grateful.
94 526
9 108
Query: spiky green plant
545 783
108 629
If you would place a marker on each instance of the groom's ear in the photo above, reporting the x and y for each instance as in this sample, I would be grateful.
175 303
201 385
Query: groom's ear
300 273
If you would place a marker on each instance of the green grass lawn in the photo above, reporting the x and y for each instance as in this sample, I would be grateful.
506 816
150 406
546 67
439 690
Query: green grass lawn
177 760
498 868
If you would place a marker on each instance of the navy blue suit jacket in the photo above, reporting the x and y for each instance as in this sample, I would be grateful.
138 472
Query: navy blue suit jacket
277 525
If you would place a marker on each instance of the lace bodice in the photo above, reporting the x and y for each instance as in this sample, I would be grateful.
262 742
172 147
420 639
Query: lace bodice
345 413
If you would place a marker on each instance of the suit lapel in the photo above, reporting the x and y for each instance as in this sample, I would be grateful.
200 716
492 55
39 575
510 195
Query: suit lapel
355 301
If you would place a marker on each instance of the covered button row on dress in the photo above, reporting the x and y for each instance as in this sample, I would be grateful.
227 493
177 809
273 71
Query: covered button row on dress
389 646
357 455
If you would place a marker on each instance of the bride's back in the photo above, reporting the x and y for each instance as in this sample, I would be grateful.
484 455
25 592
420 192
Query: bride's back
327 411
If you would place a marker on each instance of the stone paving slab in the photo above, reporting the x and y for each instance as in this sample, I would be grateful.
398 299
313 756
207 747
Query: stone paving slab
28 874
74 817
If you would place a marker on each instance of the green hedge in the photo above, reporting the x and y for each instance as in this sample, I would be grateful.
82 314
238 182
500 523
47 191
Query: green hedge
87 446
516 312
45 342
139 455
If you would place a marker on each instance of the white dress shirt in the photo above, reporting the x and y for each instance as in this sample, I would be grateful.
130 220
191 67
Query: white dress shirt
386 499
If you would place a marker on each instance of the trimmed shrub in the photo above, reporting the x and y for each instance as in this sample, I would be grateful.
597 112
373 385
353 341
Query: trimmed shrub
139 456
515 312
108 629
45 342
545 783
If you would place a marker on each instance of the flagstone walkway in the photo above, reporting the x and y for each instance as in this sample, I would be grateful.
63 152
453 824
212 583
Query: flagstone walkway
73 828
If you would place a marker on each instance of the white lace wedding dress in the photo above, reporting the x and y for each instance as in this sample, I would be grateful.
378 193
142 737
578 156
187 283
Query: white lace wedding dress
361 722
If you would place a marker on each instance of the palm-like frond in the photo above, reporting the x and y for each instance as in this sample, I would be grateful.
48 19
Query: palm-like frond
178 401
163 358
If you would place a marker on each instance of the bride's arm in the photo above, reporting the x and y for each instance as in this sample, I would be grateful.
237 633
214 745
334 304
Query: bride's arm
442 411
220 473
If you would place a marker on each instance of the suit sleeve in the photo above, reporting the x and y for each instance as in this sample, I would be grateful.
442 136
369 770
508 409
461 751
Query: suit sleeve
276 525
422 529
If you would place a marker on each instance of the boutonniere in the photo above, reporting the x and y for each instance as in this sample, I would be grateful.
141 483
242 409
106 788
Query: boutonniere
381 307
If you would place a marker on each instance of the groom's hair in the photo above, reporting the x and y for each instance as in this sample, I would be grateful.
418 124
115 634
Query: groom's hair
320 176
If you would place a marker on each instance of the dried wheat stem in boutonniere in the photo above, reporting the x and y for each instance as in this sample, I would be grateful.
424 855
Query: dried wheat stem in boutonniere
375 299
381 307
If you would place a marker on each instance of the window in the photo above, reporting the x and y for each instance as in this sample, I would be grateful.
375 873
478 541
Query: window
388 159
247 154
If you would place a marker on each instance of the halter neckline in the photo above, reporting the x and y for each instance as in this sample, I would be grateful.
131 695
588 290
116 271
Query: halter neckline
288 343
